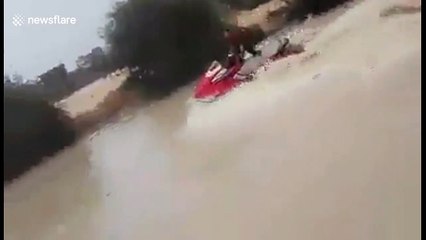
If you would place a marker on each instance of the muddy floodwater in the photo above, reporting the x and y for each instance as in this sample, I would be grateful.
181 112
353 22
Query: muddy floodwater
327 148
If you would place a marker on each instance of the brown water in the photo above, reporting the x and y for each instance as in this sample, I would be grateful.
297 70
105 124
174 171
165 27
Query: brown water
329 149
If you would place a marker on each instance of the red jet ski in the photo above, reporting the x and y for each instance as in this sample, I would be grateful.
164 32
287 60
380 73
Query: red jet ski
218 80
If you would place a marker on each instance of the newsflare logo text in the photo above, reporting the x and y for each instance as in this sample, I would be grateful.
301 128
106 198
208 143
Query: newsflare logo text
19 20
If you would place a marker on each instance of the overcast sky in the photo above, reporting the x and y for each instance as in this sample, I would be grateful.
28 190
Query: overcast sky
32 49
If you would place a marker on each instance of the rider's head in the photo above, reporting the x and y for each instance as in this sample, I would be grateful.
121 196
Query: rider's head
226 31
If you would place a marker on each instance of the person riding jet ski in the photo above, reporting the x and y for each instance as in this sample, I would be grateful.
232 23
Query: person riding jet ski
239 40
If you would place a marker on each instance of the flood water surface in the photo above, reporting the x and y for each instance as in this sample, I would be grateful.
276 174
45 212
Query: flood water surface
332 154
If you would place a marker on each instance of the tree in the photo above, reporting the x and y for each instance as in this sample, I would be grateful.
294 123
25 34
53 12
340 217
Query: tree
7 79
56 82
169 42
17 79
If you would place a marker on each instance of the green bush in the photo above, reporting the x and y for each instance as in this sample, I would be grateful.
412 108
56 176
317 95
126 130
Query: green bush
33 129
170 42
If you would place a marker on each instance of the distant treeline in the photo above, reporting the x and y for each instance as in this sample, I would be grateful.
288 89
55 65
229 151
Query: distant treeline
53 88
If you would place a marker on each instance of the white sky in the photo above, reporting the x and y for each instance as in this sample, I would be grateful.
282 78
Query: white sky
31 50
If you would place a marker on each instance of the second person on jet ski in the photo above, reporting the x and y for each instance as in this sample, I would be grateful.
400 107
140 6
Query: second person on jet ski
239 40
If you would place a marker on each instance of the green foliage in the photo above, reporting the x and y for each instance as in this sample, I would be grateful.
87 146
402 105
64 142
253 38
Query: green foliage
33 129
169 41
